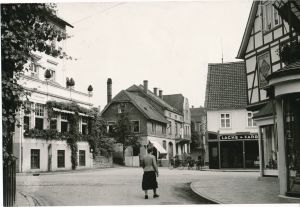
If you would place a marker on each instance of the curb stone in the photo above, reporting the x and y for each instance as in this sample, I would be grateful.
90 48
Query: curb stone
194 189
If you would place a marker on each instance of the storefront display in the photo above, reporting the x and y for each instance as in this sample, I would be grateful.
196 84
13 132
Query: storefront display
291 116
234 151
270 149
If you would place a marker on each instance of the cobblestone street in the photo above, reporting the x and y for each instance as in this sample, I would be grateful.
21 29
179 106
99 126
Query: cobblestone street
115 186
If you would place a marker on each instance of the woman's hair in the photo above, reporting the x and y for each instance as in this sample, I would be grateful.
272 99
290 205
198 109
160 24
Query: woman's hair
150 149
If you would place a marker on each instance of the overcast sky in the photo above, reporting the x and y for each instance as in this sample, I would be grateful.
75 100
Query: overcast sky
167 43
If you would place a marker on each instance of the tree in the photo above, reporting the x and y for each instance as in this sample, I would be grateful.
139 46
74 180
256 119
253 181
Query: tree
101 143
24 28
123 134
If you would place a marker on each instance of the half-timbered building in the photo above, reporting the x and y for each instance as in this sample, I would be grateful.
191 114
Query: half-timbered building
270 39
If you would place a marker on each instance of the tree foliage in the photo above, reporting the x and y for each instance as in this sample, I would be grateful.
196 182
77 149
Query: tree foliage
98 137
24 28
123 134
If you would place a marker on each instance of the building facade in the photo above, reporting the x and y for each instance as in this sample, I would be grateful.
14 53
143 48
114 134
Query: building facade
198 120
269 48
232 135
156 121
35 148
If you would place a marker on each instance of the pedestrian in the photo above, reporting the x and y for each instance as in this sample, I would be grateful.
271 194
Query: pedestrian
150 172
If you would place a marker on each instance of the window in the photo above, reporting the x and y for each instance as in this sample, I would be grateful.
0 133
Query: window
176 129
64 123
26 121
81 157
136 126
121 108
52 72
34 71
39 116
35 158
170 123
60 158
250 121
53 122
153 127
170 115
225 121
270 17
110 127
164 129
175 116
84 125
164 144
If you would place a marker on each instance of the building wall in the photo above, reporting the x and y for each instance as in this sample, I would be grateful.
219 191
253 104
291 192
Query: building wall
111 115
263 42
238 122
50 148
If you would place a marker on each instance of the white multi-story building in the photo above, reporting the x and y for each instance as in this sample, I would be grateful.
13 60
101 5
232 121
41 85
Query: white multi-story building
34 148
232 135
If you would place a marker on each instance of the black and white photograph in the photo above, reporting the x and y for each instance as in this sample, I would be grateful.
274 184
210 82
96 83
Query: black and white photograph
155 102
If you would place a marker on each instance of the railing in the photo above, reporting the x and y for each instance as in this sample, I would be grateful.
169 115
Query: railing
9 183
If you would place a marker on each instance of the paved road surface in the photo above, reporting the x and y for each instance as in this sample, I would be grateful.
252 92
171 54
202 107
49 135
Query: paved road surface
115 186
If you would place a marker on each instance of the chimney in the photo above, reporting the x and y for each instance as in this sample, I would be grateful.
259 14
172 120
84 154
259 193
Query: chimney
155 91
109 93
145 86
160 94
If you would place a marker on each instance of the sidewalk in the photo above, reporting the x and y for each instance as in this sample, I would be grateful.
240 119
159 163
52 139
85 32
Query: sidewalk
239 188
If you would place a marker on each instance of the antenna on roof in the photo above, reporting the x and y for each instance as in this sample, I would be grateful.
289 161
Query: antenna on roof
222 49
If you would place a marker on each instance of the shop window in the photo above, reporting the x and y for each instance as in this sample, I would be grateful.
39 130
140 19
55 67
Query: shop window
269 147
35 158
136 126
60 158
250 121
81 157
225 120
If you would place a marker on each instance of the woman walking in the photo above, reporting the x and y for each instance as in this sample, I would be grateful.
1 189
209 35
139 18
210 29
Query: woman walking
150 173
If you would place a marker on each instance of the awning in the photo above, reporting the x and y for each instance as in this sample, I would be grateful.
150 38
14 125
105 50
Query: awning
159 148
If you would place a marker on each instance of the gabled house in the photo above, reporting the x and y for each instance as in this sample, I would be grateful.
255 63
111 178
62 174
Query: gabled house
181 104
232 135
270 49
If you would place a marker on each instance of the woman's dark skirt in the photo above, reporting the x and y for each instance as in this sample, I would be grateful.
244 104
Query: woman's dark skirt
149 180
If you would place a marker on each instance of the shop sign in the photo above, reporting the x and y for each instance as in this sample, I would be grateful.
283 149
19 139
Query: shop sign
264 68
239 137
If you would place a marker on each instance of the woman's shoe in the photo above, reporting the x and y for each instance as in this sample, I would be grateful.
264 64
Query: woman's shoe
155 195
146 196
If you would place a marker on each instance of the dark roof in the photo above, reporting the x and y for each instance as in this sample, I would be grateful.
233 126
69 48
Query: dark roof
175 100
140 103
153 97
265 111
293 68
59 20
197 113
226 86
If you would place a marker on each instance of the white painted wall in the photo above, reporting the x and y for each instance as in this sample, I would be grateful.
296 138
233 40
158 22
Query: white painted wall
42 145
238 121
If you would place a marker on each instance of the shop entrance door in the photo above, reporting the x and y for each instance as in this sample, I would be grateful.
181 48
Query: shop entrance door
231 154
251 154
213 155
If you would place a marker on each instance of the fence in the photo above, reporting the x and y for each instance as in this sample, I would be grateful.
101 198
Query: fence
9 183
